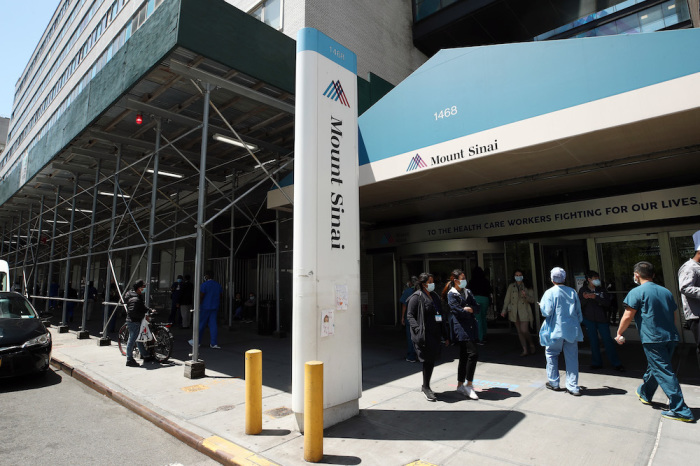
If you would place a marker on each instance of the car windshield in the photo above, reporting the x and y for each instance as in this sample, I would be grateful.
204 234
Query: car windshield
15 307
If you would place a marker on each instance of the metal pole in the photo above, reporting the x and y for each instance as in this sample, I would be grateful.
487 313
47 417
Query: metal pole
108 283
199 250
2 245
232 287
88 267
277 269
53 243
9 241
36 254
66 281
27 243
174 258
19 229
152 220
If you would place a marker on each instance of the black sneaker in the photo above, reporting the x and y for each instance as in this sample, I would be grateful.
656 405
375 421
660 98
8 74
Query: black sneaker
148 359
429 395
620 368
132 363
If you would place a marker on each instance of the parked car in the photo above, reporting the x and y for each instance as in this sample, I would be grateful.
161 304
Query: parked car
25 343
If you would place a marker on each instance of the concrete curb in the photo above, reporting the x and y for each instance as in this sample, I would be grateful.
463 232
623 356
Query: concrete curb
218 449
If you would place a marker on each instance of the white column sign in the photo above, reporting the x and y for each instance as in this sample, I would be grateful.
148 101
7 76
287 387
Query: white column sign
326 226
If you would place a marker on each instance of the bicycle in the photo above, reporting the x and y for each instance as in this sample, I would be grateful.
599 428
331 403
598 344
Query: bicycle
155 336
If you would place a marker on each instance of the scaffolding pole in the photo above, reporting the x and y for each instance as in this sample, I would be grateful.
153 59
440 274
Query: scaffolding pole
36 255
108 282
16 264
53 245
27 244
63 326
87 306
152 218
277 271
197 367
231 256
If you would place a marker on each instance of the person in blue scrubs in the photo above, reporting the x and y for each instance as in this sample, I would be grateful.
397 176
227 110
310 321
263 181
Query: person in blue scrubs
561 331
210 294
652 307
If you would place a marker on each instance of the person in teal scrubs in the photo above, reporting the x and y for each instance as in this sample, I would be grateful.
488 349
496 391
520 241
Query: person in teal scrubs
652 307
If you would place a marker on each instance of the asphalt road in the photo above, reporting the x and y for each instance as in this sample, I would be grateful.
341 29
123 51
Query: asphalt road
55 420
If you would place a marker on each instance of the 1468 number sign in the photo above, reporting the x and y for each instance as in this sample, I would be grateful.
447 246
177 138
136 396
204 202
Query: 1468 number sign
446 113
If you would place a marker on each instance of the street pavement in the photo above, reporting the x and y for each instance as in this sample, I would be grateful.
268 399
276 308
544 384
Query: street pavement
516 420
56 420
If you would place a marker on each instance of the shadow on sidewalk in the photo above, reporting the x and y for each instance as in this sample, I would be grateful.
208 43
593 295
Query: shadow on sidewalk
379 424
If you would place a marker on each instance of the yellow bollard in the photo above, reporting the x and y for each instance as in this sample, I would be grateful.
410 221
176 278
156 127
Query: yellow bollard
313 411
253 392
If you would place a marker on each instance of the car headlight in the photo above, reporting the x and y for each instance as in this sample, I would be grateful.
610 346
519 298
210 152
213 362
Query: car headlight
41 340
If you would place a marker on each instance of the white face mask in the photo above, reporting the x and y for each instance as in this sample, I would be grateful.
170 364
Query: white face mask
431 287
595 282
634 278
462 284
519 278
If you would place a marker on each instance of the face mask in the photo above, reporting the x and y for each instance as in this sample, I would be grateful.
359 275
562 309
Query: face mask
431 287
634 278
179 280
596 282
519 278
462 284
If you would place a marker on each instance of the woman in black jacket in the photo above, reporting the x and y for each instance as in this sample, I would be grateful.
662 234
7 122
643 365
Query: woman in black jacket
428 329
463 323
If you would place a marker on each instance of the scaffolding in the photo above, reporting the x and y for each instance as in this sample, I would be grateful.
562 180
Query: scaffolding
121 193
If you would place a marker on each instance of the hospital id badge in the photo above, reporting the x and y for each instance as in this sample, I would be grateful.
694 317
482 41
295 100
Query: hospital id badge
438 317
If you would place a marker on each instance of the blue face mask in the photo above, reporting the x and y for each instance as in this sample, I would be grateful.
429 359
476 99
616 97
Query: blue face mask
595 282
519 278
179 280
462 284
431 287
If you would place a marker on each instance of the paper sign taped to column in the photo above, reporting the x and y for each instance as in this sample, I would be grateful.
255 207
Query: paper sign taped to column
341 297
327 323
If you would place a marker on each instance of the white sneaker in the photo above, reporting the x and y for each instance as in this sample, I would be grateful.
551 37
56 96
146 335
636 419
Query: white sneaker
214 346
471 393
191 342
463 390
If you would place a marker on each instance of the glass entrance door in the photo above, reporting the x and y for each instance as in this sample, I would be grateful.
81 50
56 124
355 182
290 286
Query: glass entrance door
442 268
617 259
572 256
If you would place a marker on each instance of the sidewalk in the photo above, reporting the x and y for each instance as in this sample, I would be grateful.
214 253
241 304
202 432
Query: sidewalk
516 421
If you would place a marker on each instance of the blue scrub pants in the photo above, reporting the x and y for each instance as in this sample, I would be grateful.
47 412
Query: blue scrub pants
570 358
207 317
660 373
410 349
483 302
593 329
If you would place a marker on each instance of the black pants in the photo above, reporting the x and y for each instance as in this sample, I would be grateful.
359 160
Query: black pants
468 356
695 328
428 366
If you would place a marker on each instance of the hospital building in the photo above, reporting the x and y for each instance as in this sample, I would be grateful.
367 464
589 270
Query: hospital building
152 138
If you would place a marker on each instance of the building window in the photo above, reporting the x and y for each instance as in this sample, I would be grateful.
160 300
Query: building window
270 13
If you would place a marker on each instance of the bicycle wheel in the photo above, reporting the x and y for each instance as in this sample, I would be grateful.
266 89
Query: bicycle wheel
123 339
163 347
